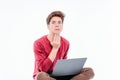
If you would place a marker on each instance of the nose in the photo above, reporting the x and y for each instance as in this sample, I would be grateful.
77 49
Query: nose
57 25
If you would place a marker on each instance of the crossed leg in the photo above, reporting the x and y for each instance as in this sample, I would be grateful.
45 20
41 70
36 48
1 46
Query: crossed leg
43 76
85 74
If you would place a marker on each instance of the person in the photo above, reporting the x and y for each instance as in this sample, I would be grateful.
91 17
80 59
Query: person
52 47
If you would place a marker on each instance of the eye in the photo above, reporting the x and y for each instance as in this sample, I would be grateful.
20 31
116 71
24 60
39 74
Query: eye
59 22
53 22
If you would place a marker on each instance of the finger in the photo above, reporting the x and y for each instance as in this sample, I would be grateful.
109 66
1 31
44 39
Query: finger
57 37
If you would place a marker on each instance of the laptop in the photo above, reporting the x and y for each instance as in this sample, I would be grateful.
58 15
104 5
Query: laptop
67 67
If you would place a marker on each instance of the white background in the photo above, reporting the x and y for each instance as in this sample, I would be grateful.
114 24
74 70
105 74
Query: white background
91 26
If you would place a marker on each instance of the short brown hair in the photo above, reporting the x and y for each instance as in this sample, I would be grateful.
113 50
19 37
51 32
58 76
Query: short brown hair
53 14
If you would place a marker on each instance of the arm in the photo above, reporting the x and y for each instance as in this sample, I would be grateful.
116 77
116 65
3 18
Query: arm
55 47
42 62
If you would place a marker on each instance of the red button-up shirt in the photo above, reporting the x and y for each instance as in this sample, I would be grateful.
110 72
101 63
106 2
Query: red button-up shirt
42 49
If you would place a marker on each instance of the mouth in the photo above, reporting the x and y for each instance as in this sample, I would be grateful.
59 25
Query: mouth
57 29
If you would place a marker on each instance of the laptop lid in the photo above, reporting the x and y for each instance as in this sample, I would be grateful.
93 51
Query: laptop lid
68 66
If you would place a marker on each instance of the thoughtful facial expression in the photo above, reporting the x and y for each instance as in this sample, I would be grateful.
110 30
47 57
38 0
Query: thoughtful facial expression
55 26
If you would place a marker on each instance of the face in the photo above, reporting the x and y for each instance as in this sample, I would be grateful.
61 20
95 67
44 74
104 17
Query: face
55 25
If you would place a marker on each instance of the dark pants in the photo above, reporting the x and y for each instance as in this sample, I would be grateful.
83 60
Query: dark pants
63 77
85 74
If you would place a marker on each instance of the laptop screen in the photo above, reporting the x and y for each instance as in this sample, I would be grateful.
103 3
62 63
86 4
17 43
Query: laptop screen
68 66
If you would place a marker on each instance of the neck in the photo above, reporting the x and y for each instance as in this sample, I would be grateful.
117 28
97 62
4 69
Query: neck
50 36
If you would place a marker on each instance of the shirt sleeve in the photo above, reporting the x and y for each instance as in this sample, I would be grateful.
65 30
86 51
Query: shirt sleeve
42 62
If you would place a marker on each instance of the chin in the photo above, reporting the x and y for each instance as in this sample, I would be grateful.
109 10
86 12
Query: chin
57 32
